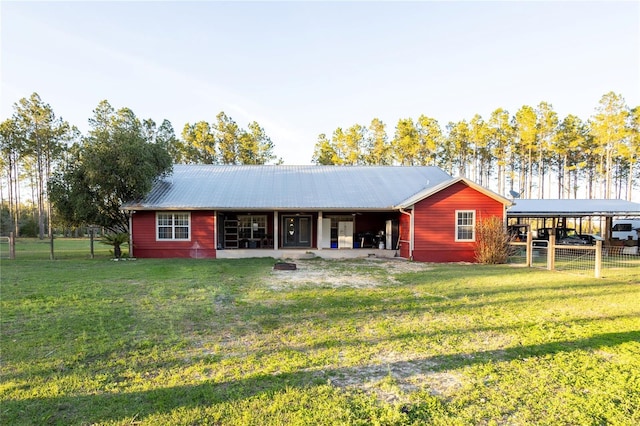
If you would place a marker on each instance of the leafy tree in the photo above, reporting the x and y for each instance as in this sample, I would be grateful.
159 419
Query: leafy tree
406 143
166 137
351 145
223 142
609 130
565 153
228 134
338 141
44 135
501 134
457 145
429 140
115 163
526 133
377 150
254 146
481 146
11 147
547 124
324 153
200 145
632 155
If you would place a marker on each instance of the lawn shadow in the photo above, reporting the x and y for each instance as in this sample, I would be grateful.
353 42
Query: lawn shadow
105 407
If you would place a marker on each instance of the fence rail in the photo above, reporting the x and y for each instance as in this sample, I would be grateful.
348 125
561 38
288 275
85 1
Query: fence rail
64 248
8 247
575 258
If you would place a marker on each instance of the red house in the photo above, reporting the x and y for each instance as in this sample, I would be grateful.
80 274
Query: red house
209 211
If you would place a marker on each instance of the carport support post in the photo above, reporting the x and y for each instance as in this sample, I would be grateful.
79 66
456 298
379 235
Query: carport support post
598 267
551 251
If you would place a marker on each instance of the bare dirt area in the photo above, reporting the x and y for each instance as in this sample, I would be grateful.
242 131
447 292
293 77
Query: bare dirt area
392 376
342 273
392 381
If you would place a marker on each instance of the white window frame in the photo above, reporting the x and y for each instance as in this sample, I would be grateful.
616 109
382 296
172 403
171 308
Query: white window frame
245 223
459 225
172 225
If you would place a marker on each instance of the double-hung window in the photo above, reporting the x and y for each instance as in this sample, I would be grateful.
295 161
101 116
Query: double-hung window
252 227
465 225
173 226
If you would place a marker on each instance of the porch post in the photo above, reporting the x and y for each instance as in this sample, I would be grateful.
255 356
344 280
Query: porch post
319 231
276 231
131 233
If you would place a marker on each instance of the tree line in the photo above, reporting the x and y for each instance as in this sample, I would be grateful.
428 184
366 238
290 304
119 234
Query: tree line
533 153
86 177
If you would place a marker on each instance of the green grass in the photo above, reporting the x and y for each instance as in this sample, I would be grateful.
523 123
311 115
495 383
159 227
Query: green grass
64 248
230 342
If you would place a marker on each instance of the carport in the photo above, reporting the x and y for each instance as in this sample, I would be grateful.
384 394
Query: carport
556 212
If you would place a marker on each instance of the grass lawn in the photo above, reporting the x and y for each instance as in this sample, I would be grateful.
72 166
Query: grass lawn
232 342
63 248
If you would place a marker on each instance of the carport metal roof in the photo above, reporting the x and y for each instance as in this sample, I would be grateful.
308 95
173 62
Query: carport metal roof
572 208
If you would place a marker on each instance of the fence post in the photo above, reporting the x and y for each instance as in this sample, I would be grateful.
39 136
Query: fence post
12 246
551 252
529 249
91 232
598 267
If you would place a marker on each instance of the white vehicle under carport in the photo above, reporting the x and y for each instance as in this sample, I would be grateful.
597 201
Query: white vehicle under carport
625 229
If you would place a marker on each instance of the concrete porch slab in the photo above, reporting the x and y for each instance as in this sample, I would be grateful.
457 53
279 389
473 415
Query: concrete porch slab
306 253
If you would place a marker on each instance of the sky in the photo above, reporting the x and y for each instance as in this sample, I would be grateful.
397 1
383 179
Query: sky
303 68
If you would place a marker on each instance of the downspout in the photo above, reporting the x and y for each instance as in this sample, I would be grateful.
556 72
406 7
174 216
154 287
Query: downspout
403 211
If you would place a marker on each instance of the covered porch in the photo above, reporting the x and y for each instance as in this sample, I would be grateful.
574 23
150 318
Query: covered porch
286 233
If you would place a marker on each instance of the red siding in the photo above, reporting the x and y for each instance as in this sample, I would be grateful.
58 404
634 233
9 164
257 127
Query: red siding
201 244
435 223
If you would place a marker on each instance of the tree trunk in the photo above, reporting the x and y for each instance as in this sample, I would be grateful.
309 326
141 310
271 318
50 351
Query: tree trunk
630 179
40 179
16 194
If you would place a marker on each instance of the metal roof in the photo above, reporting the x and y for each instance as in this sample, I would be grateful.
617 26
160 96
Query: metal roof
572 208
196 187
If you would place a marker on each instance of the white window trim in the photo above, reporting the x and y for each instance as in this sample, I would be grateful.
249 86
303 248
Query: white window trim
473 227
173 226
261 217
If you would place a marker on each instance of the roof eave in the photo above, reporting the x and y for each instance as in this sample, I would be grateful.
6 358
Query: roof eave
253 209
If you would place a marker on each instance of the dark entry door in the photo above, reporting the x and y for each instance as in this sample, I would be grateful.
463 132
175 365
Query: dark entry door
297 231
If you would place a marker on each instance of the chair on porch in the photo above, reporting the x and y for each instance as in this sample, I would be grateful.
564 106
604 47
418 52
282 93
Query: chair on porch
267 242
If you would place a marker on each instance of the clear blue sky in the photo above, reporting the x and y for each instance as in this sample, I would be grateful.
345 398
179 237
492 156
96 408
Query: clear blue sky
305 68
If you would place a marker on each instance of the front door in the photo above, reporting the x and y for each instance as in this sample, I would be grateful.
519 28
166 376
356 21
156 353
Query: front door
296 231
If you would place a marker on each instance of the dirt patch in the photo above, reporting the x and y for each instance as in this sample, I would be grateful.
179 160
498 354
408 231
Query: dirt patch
393 381
392 376
335 274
